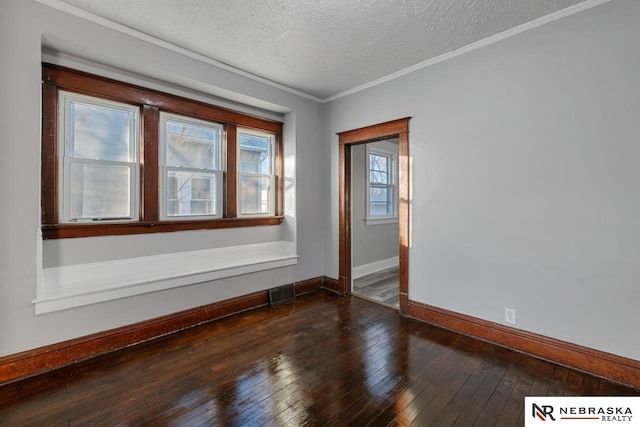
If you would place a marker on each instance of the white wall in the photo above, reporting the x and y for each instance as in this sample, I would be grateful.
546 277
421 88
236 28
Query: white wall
371 243
525 186
24 27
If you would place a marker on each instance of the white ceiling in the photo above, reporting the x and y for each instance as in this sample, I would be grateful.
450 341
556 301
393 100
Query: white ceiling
322 47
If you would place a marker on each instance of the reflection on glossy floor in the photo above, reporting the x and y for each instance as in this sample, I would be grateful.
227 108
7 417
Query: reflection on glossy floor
322 360
382 286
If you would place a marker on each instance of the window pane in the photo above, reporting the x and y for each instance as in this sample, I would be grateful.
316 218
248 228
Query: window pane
378 169
254 195
201 207
190 193
254 154
380 201
201 188
172 187
192 146
377 177
99 191
98 132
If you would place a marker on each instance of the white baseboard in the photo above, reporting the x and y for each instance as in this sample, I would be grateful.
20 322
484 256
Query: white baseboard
363 270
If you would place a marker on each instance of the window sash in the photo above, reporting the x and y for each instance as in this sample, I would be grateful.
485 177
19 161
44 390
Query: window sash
378 175
216 128
67 211
67 161
391 205
269 200
175 166
215 198
130 111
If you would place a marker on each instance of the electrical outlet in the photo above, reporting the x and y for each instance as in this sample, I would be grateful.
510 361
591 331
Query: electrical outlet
510 315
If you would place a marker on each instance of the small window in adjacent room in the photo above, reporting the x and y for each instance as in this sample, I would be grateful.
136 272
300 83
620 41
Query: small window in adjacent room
256 179
99 170
381 193
190 167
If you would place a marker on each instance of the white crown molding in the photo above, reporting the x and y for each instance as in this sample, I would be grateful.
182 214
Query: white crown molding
572 10
72 10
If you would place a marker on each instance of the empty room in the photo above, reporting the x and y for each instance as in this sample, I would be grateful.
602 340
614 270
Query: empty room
292 213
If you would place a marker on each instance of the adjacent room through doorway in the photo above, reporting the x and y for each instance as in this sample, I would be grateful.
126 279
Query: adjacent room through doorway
374 210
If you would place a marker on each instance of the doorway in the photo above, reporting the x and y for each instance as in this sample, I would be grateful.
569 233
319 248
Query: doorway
347 140
374 222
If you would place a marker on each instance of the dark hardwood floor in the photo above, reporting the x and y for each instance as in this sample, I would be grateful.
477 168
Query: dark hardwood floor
321 360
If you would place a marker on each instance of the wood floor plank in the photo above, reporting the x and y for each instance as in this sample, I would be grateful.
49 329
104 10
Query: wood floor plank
476 404
499 396
558 381
446 394
513 408
321 360
460 401
421 361
590 386
427 388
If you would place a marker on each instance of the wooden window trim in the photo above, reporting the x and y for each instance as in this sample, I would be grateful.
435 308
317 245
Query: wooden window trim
150 208
150 102
231 172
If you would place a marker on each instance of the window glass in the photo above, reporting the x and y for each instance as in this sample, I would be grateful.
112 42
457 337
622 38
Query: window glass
190 167
192 145
380 202
256 181
99 132
379 169
99 191
254 154
255 195
190 193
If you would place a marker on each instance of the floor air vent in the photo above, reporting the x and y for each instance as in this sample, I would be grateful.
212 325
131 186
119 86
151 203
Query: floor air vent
281 294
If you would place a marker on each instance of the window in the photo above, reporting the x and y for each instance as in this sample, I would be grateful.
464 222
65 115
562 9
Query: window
190 168
99 167
381 193
255 173
123 159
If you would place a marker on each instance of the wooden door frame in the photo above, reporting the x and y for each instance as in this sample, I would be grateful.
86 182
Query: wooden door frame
393 129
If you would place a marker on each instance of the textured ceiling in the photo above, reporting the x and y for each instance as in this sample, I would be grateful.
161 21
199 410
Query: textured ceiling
321 47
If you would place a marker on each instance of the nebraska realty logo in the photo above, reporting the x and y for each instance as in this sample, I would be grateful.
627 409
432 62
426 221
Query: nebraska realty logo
582 411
